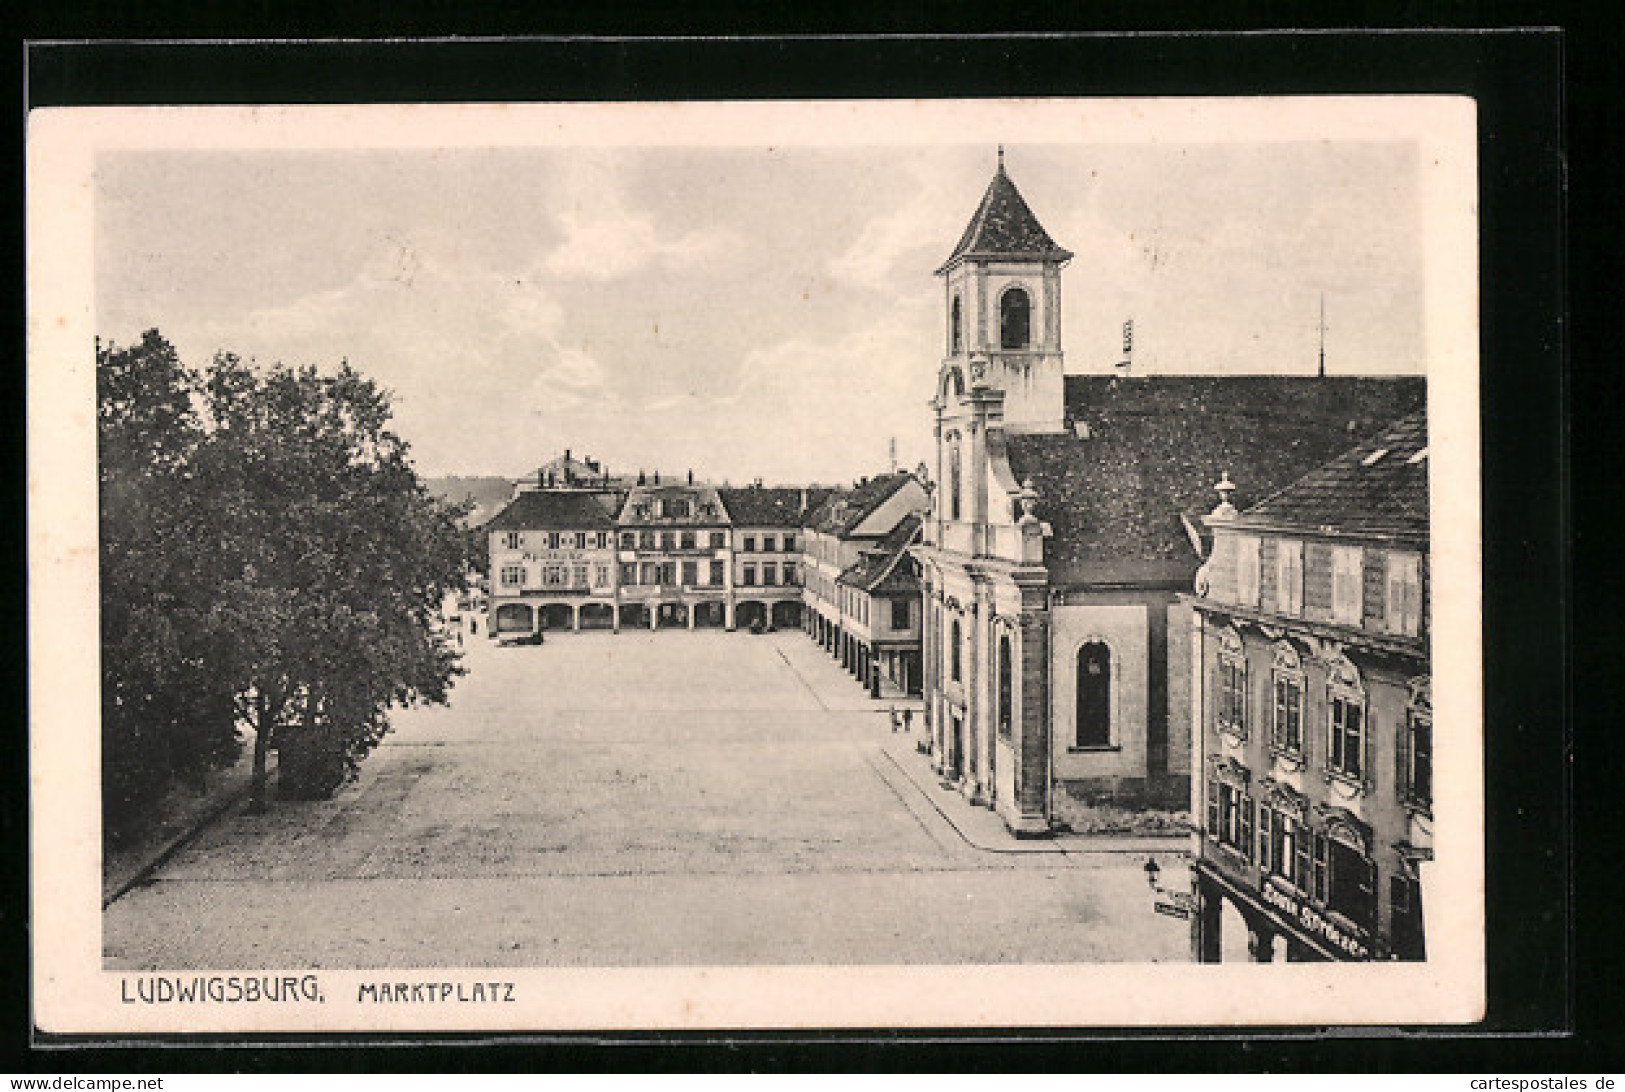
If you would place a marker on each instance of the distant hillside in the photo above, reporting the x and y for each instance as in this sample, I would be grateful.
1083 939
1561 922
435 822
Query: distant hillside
490 494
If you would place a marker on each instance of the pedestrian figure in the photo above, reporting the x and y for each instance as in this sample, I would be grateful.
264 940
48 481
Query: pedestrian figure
893 712
908 720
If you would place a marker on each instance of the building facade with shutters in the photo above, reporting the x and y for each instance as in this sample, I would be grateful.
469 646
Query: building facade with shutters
1065 525
553 562
674 554
767 541
848 527
1313 714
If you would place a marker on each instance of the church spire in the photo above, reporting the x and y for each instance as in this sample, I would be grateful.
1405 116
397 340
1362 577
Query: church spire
1004 227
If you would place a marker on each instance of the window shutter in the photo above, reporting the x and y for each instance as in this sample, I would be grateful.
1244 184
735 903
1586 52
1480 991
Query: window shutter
1246 839
1212 808
1265 819
1402 761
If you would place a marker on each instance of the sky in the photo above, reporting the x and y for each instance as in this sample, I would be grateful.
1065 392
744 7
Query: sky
745 312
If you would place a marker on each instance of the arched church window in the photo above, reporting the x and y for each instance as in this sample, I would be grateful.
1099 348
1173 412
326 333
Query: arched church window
1094 725
1006 702
1015 319
954 482
956 638
954 335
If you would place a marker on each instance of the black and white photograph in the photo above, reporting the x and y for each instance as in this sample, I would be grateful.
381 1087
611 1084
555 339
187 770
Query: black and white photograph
807 564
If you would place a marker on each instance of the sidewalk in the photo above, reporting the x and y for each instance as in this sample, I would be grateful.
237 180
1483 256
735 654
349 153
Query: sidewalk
183 814
982 828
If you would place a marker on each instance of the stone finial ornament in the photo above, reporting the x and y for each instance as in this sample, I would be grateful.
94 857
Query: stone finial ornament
1028 497
1225 487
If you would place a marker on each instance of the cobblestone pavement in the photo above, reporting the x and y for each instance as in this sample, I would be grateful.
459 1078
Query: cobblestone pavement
633 799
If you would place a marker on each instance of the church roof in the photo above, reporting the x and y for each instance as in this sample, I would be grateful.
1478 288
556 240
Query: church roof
546 509
1004 227
1379 488
1125 486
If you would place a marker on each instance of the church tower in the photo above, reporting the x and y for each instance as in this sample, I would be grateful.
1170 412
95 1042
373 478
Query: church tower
1002 288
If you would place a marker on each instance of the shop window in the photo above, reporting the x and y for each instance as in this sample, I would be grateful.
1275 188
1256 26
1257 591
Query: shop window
513 576
1094 695
1245 550
1231 713
1403 608
900 617
1345 718
1348 581
1015 319
1289 576
1405 913
1286 680
1005 680
1352 883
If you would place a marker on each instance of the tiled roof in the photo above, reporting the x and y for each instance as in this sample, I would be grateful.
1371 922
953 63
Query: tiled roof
758 506
844 510
1378 488
547 508
705 507
887 566
1004 226
1154 446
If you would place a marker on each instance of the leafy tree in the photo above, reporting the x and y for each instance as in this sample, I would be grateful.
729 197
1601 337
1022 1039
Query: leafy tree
164 716
337 561
269 560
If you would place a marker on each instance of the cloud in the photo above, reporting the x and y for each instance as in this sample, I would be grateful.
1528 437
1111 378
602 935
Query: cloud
605 239
914 230
570 381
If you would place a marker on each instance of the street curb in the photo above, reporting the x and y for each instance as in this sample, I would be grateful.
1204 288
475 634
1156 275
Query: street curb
1061 843
174 845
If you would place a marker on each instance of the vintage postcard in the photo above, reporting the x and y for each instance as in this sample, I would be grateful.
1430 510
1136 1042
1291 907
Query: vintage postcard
910 564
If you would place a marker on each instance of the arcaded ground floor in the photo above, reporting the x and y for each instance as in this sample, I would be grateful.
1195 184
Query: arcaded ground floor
643 799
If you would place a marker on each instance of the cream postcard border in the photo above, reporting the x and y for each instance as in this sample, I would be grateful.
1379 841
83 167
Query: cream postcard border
73 994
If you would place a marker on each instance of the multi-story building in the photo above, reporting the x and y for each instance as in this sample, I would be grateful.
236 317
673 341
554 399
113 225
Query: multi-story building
1312 712
674 556
838 533
879 598
1063 531
767 562
553 562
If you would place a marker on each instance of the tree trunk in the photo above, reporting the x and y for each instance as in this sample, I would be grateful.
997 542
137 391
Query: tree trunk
256 803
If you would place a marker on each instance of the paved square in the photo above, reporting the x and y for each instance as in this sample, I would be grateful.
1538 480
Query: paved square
635 799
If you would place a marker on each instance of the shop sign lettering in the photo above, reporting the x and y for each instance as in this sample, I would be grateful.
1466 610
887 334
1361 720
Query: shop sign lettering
1314 922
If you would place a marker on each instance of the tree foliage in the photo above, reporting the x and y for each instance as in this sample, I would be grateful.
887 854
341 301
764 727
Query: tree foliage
304 572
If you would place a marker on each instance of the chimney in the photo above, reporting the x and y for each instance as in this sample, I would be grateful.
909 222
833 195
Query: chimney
803 498
690 475
657 477
641 480
566 456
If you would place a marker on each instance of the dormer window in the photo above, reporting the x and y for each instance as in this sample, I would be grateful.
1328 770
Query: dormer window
1015 319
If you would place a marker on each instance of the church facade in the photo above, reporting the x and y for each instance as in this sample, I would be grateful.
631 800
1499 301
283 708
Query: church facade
1066 523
